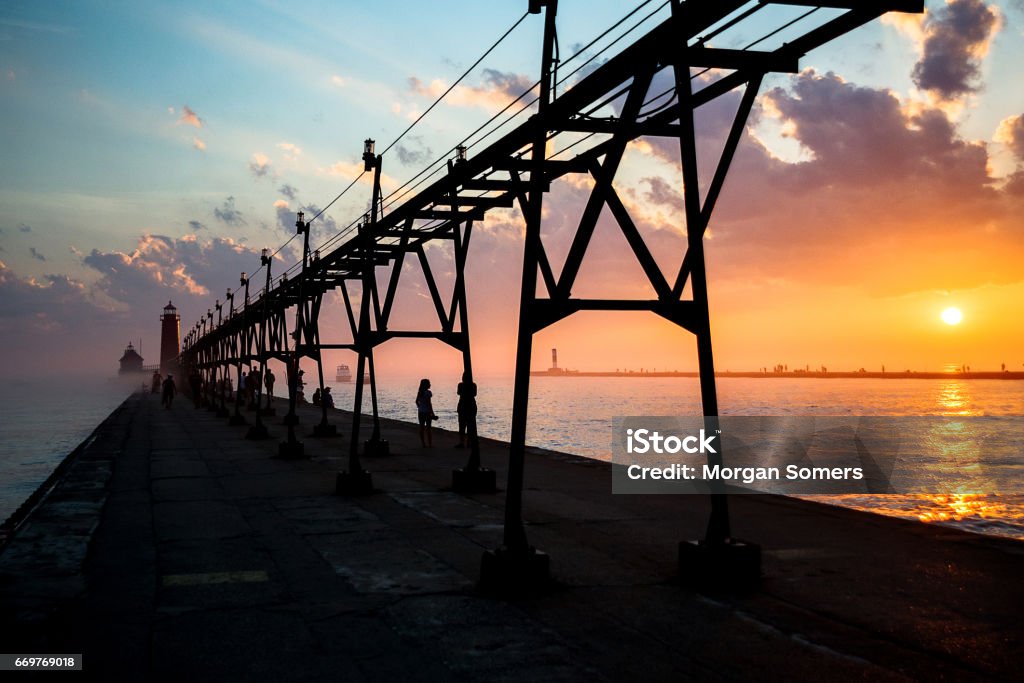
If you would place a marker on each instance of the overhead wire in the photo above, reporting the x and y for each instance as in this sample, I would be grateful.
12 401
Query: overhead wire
609 45
393 143
458 80
420 118
468 138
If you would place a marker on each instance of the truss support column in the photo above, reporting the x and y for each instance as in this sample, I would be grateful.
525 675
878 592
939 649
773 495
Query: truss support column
375 445
293 448
325 428
259 430
356 480
517 566
211 373
224 364
719 559
243 349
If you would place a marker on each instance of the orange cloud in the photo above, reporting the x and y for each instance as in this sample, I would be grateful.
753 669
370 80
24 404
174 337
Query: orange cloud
260 164
350 171
189 118
497 90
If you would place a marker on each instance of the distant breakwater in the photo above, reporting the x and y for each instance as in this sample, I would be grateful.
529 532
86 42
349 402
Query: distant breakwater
799 374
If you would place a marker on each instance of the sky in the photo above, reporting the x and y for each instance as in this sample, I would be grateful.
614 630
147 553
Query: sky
152 149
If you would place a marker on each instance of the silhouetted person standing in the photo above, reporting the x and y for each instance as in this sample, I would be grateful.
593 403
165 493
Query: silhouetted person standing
425 412
157 382
169 391
269 382
466 408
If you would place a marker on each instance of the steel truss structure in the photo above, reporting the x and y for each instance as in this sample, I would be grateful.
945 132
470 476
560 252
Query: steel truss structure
517 170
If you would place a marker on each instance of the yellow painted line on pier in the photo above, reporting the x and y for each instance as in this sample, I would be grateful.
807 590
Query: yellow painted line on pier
210 578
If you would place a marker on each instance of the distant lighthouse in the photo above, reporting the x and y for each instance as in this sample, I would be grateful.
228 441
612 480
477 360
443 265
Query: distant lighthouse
554 360
170 340
131 361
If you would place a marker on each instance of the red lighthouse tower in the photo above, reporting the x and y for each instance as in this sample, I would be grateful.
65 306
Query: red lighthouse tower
170 339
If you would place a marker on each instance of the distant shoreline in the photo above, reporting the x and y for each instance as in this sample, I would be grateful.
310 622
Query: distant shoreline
799 374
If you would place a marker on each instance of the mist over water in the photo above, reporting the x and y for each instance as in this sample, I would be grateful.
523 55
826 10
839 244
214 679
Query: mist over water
44 419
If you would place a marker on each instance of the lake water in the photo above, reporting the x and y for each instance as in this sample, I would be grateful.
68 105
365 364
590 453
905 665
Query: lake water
41 422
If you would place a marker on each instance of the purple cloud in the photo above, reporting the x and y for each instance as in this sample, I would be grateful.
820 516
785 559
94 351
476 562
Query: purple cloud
956 37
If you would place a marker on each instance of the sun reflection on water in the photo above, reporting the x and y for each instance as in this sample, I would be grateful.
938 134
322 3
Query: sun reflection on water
981 513
964 451
954 398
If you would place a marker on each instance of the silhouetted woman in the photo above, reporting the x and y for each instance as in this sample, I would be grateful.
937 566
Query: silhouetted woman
425 411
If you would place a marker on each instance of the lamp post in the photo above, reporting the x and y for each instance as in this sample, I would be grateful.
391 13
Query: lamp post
259 430
211 367
222 411
229 297
238 419
193 365
193 369
293 448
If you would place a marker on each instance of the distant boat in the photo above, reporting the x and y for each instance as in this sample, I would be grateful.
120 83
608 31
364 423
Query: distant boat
344 374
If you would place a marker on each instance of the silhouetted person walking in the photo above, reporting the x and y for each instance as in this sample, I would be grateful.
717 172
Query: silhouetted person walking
425 412
466 408
169 391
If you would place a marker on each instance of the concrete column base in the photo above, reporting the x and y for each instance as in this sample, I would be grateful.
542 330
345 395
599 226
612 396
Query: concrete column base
506 571
257 432
291 450
322 431
290 419
733 565
371 447
480 480
354 483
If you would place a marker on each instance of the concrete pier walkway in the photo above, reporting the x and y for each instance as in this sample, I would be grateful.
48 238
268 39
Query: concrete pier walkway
176 550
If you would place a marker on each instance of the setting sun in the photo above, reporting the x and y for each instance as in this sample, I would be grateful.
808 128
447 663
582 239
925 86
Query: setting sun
952 316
